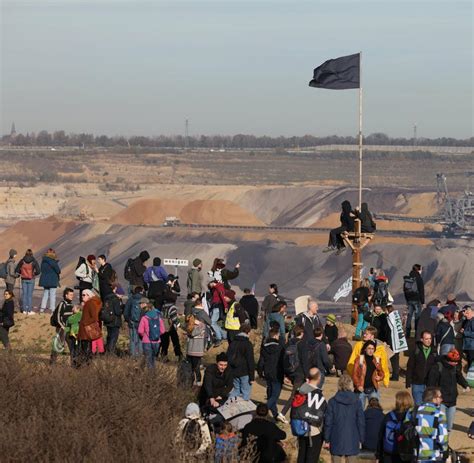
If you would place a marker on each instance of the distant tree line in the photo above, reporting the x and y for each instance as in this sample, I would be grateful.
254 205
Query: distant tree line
239 141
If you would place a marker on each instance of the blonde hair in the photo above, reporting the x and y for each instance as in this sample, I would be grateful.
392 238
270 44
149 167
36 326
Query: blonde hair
403 401
380 273
345 383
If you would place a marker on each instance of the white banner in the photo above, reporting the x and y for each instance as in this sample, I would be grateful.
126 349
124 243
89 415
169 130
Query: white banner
399 342
346 287
176 262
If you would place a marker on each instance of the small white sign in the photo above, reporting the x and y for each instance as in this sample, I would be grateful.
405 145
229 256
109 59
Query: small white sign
176 262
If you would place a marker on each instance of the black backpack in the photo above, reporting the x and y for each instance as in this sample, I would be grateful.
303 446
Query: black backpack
191 436
407 437
128 270
381 293
185 375
410 286
106 313
291 361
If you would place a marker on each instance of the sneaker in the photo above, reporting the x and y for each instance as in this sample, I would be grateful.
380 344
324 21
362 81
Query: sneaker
329 249
280 417
31 313
340 251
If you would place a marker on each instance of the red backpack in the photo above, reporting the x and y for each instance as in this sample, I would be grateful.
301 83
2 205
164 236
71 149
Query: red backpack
27 271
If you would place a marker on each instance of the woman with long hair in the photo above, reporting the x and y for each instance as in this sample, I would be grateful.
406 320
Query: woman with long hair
6 317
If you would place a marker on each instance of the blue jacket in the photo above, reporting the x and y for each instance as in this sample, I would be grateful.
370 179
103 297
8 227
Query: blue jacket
158 271
468 335
50 272
373 420
277 317
344 424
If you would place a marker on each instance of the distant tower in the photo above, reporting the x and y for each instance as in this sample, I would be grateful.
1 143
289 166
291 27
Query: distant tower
414 134
186 135
13 131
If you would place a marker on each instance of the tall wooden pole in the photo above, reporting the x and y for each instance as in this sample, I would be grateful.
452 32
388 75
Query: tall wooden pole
360 129
356 256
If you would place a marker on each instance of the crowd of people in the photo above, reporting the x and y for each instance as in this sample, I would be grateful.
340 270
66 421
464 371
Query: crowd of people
299 352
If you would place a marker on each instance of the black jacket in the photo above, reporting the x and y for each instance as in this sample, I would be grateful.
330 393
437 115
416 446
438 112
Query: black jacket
6 313
250 304
418 367
380 439
380 322
331 332
240 355
27 260
105 275
420 295
313 353
446 377
444 333
138 269
267 434
427 321
229 275
373 421
309 324
114 301
62 312
270 364
342 350
215 384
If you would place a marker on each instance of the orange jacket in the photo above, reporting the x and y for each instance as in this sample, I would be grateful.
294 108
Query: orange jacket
360 370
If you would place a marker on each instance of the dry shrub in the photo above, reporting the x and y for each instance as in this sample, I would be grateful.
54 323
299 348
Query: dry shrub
112 410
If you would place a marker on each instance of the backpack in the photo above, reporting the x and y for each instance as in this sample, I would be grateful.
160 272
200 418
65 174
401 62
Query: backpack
390 435
191 436
410 285
407 437
127 271
190 324
53 321
291 360
306 411
381 293
3 270
136 311
82 260
357 296
313 354
27 271
106 313
299 428
154 331
184 375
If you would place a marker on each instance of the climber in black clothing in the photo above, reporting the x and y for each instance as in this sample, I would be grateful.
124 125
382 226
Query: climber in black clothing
367 224
347 225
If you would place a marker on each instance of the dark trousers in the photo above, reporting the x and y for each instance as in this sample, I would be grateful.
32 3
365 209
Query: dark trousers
469 357
112 338
231 334
73 345
253 318
309 448
395 362
273 394
297 382
196 366
4 336
335 239
165 342
85 352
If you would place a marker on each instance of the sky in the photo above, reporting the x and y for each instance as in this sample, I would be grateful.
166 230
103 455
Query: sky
121 67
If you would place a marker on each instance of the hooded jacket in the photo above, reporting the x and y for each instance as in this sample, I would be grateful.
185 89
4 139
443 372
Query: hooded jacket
241 359
419 366
373 421
347 221
105 279
138 269
193 413
444 332
342 350
380 352
144 326
420 295
344 424
90 314
28 260
309 323
114 301
50 272
268 434
194 281
11 266
270 364
380 322
367 222
313 353
155 273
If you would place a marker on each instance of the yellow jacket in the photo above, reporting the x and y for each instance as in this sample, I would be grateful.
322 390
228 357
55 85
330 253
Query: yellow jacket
380 352
232 321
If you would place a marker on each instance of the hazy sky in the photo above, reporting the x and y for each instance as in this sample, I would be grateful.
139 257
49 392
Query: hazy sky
119 67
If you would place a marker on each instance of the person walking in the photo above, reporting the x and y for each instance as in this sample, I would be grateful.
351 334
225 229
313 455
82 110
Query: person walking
28 269
242 363
414 291
49 279
387 445
313 353
10 266
344 423
250 304
7 317
368 373
445 332
420 361
194 281
150 329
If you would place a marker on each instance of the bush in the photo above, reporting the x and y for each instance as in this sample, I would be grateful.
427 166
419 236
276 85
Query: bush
112 410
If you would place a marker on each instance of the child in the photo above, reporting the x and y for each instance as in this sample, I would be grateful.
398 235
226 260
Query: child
71 330
150 329
227 444
330 330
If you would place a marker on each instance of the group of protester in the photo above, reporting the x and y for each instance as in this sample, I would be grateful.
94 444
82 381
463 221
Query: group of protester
301 352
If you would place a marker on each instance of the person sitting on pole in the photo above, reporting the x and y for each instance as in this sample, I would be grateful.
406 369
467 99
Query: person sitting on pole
347 225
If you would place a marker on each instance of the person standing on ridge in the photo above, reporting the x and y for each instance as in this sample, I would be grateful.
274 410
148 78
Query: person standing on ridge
28 269
194 281
49 279
414 290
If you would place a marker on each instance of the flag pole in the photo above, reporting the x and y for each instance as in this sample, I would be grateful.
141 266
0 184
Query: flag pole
360 130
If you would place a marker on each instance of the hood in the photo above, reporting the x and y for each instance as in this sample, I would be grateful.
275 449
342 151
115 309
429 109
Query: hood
49 258
28 259
314 342
50 255
346 207
271 345
137 296
242 337
12 253
192 411
144 256
156 262
306 388
153 313
346 397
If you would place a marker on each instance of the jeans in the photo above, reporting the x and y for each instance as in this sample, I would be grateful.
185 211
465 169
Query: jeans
136 347
150 350
363 396
361 325
51 294
112 338
273 394
414 307
27 287
450 411
417 391
242 387
217 329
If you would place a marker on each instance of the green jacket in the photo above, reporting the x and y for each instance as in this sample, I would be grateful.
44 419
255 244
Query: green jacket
72 324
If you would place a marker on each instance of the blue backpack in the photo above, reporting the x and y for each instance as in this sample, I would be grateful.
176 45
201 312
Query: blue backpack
299 428
392 428
154 331
136 311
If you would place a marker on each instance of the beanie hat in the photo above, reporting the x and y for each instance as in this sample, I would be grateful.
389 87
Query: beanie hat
12 253
331 318
222 357
453 356
197 262
156 261
192 411
144 256
90 258
230 294
144 300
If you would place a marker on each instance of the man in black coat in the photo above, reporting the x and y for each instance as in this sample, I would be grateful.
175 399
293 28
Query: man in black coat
112 305
250 304
106 275
242 363
138 269
268 436
415 298
313 353
309 320
217 383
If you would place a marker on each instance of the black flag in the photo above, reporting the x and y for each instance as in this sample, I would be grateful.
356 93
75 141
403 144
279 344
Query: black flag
338 74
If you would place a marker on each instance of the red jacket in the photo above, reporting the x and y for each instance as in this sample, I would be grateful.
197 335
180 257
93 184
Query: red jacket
218 293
